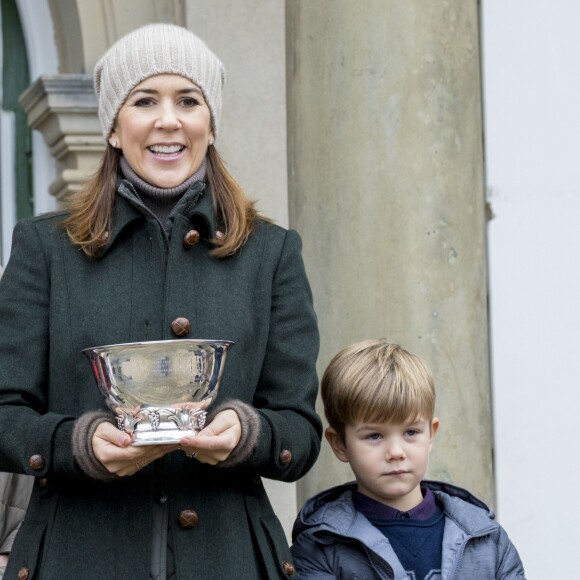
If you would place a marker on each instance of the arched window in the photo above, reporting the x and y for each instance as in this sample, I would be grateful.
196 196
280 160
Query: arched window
16 191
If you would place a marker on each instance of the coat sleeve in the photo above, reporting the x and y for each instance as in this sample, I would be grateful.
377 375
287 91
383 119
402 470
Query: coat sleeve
285 397
32 440
310 560
510 565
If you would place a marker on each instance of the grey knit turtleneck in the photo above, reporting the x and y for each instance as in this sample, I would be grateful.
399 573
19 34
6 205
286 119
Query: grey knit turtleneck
159 200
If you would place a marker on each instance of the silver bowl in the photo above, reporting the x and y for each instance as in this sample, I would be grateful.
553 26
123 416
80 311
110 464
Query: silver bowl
160 390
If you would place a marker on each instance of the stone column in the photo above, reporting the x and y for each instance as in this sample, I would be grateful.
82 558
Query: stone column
386 186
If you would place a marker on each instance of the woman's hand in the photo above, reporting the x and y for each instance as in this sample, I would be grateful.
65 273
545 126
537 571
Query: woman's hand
214 443
113 449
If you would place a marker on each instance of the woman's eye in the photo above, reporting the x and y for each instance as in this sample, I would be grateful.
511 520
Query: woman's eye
190 102
145 102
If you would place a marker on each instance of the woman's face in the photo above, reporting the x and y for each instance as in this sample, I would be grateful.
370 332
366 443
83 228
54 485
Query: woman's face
164 129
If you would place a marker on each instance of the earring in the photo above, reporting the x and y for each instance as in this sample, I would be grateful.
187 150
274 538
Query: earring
113 143
210 141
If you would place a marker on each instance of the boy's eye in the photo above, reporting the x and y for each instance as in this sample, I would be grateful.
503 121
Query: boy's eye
411 432
374 436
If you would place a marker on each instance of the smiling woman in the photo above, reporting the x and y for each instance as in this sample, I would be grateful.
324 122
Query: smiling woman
151 249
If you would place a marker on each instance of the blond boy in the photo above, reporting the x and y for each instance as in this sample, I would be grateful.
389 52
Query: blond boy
379 401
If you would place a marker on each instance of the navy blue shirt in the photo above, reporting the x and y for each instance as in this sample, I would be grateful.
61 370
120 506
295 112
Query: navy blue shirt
416 536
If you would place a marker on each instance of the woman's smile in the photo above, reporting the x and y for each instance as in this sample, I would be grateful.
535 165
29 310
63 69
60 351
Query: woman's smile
166 150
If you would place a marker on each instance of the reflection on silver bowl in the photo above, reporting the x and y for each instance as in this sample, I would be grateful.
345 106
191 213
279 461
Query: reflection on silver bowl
160 390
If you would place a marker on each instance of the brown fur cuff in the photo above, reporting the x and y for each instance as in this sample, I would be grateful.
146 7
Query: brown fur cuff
250 421
84 429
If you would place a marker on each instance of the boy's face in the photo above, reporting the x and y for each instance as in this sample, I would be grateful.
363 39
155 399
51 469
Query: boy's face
388 460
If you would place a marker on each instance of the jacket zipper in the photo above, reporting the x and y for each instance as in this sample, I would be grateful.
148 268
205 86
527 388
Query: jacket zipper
191 204
455 568
375 560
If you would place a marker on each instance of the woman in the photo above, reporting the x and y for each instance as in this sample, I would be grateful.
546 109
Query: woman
160 243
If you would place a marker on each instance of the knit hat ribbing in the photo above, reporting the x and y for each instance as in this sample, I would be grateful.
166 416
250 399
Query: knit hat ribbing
152 50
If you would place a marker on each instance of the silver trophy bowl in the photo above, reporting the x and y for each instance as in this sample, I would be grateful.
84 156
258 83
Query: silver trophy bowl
159 390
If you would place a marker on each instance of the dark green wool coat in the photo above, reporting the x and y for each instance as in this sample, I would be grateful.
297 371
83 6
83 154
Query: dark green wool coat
55 302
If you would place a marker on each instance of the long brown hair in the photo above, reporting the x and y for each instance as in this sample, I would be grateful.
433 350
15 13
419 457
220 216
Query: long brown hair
91 209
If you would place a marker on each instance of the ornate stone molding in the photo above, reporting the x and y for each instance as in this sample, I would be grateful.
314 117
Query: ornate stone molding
63 108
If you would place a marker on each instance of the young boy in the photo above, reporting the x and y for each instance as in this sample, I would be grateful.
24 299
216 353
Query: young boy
379 401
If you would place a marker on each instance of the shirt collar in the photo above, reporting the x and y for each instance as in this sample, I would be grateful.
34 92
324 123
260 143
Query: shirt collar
373 509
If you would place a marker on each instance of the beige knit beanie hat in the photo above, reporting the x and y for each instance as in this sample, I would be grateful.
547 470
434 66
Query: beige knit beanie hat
152 50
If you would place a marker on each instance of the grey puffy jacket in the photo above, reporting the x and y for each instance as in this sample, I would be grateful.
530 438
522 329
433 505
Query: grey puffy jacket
332 540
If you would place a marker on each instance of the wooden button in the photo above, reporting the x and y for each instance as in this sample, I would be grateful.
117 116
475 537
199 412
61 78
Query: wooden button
180 326
190 239
188 519
285 457
36 462
23 573
288 568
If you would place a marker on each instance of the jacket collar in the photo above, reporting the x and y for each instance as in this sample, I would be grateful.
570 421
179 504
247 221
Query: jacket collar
128 208
468 512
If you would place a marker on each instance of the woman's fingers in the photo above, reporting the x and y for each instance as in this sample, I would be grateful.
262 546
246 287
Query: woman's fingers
109 433
113 449
225 422
110 445
216 441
